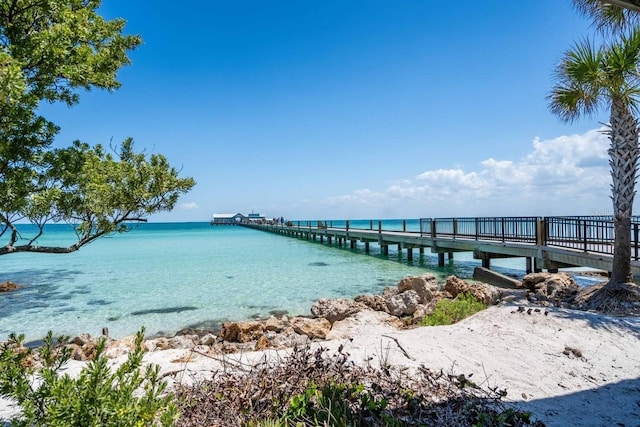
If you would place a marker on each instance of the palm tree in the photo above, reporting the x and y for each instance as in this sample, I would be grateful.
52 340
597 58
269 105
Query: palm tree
589 79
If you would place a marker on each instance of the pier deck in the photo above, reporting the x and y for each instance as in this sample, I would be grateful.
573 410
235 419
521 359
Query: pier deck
546 243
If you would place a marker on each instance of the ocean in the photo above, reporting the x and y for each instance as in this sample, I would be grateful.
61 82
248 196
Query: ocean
170 276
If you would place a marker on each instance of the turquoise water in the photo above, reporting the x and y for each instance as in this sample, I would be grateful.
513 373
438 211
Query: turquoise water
176 275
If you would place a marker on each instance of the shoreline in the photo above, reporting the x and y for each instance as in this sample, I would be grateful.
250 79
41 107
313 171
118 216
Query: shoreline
566 366
498 347
206 326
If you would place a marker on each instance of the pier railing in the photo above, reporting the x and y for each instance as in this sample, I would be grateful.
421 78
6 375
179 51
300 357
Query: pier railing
593 234
588 234
504 229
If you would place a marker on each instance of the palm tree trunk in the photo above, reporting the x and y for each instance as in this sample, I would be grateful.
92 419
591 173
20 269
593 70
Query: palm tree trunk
623 159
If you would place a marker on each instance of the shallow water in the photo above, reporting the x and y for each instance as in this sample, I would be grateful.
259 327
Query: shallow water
171 276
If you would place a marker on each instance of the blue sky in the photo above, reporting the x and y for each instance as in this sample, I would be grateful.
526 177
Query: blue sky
352 109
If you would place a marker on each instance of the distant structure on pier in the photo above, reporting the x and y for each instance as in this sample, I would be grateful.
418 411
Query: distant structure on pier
237 218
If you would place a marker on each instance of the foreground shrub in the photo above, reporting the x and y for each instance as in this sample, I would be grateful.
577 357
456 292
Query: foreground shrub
97 397
448 312
314 388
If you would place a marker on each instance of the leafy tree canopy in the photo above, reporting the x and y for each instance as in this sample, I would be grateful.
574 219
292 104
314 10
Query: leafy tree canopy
51 50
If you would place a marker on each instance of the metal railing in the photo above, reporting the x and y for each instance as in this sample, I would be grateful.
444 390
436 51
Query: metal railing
588 234
595 234
503 229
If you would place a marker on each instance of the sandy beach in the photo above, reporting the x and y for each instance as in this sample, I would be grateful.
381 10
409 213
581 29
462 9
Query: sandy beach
568 367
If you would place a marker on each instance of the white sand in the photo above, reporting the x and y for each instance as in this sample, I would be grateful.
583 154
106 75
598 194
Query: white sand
500 347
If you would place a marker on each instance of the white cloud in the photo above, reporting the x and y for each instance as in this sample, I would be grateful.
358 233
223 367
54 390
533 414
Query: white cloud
559 176
189 206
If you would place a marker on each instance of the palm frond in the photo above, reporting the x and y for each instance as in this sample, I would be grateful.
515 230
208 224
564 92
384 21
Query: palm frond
579 83
606 17
620 64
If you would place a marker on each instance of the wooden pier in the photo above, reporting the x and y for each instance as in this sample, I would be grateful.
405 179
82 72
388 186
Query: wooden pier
547 243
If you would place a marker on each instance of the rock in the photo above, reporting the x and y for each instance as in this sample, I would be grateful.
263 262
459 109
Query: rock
312 328
481 291
286 338
241 331
423 310
551 285
262 343
8 286
335 309
82 339
530 280
208 339
424 285
389 292
374 302
403 304
121 347
158 344
276 324
184 342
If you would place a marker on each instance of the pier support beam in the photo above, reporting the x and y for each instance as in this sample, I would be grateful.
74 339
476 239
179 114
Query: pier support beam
366 247
421 250
385 249
486 262
409 254
450 256
441 259
529 265
353 244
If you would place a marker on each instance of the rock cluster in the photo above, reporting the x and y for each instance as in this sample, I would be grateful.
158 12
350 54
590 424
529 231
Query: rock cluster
413 298
8 286
553 288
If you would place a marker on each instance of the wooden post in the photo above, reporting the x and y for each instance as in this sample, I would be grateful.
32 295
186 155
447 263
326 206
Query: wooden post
409 254
366 247
450 255
529 267
440 259
353 244
404 225
421 250
385 249
370 224
541 232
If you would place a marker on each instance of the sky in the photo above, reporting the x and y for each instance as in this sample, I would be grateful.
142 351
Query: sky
353 109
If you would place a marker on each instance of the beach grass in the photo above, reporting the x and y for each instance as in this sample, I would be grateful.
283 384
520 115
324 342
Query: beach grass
448 312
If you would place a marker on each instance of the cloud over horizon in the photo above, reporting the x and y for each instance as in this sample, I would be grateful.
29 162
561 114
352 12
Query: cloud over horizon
188 206
567 175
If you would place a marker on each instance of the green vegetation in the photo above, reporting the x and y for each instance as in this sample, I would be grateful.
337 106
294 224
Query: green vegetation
448 312
51 51
126 396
